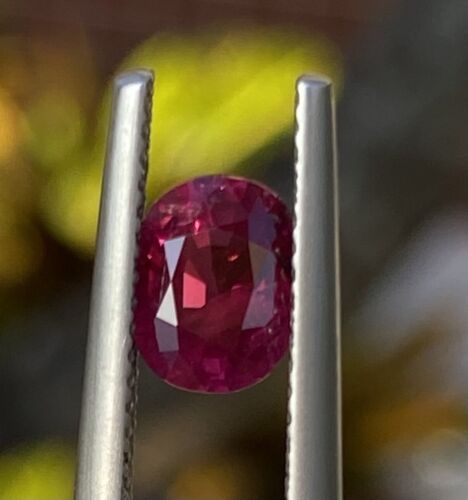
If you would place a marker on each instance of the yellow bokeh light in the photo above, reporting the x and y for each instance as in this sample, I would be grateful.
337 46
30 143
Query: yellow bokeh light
69 205
219 100
54 128
42 472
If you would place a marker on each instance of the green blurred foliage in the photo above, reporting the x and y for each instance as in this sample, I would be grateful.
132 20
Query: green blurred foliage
219 99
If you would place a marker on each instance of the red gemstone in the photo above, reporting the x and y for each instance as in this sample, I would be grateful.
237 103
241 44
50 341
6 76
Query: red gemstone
214 292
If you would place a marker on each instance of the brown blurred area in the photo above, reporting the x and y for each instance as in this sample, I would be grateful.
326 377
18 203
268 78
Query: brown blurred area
401 76
341 19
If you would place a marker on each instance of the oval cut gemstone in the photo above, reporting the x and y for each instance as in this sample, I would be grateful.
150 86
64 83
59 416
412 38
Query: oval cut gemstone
213 297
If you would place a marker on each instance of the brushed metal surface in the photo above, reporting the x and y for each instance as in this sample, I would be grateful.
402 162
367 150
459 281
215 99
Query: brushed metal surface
314 431
106 392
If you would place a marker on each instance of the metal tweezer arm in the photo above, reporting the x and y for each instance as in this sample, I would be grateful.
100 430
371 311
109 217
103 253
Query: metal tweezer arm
106 419
314 445
106 429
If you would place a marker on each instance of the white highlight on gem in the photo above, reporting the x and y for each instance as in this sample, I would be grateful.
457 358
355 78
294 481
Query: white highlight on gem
167 310
173 249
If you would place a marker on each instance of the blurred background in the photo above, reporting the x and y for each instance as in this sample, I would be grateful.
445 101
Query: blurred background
224 102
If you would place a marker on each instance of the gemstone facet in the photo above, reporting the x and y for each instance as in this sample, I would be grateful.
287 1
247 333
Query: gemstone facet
213 297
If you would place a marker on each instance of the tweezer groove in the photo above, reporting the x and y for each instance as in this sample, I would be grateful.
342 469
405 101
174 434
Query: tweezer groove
132 379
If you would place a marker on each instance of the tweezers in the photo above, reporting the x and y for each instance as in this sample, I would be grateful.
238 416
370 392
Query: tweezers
105 449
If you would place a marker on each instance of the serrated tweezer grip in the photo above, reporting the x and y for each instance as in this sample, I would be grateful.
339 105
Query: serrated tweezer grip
314 432
108 403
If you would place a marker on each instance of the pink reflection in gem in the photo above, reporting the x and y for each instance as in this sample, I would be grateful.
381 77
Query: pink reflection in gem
194 292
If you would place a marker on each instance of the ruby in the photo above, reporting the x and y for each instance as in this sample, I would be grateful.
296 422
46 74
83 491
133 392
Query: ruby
213 298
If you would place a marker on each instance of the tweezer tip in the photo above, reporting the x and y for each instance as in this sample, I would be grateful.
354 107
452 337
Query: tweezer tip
134 77
315 82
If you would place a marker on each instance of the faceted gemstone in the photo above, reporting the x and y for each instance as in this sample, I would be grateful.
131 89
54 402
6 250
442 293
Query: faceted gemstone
213 298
